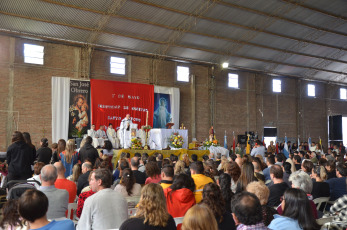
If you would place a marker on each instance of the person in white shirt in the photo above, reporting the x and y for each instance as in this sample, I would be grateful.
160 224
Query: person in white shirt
112 136
101 135
125 131
92 134
106 209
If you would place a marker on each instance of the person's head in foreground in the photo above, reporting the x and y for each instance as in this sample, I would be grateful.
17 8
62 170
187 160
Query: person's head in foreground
152 206
33 206
296 206
246 209
199 217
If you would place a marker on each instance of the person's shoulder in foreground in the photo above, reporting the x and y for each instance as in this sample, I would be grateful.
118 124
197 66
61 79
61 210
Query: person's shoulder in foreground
58 225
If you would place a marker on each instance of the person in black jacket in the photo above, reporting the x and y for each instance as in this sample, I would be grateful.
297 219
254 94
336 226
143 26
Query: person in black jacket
88 152
83 180
20 158
44 154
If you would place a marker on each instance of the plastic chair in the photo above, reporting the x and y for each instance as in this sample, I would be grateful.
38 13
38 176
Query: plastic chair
73 207
320 200
178 220
132 211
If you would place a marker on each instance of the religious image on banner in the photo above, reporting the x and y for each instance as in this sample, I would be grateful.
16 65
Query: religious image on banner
79 113
162 110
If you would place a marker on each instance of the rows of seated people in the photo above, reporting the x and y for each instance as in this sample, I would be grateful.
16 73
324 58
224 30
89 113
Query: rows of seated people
240 191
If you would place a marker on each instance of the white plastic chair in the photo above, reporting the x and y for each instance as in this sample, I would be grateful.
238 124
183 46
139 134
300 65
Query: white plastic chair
178 220
132 212
73 207
320 200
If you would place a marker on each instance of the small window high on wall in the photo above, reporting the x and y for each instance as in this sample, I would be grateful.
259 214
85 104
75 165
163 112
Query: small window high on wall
117 65
183 73
311 90
33 54
276 86
233 80
343 94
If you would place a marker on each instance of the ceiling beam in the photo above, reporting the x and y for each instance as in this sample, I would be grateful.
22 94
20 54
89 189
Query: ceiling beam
231 5
239 25
195 32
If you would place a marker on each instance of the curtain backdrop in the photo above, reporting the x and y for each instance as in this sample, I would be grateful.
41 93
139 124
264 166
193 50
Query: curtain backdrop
112 100
175 102
60 108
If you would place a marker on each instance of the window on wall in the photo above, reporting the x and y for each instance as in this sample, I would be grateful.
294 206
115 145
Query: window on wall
343 94
183 73
233 80
276 86
117 65
311 90
33 54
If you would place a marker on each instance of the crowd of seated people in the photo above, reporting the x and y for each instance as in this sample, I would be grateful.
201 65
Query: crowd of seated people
262 190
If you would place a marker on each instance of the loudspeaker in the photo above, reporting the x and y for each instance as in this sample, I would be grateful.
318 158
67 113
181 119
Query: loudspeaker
270 132
335 127
242 139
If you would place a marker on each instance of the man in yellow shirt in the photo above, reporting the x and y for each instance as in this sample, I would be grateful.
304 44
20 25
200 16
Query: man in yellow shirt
167 174
200 180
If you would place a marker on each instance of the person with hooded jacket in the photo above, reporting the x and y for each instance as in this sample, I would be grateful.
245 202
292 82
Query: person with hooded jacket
180 196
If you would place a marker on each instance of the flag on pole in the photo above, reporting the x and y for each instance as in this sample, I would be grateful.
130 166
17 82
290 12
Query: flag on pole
320 142
285 149
234 144
298 143
263 140
309 143
225 140
277 146
248 148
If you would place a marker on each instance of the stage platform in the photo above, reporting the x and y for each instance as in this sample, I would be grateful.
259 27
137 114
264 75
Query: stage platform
166 153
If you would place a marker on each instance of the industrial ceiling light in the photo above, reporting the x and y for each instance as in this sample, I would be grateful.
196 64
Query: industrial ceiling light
225 65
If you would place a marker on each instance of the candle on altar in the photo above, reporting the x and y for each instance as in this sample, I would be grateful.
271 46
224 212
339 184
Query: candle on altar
146 117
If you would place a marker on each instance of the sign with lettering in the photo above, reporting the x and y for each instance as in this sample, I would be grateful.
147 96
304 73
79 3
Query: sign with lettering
112 100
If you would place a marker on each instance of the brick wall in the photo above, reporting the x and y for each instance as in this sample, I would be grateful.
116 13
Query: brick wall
235 110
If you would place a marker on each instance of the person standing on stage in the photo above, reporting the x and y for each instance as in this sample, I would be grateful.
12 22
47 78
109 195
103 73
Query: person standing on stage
125 132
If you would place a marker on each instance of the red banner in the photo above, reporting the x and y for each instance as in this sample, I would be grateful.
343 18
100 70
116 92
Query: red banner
112 100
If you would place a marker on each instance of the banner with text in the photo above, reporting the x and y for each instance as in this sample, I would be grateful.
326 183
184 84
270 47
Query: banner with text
112 100
79 113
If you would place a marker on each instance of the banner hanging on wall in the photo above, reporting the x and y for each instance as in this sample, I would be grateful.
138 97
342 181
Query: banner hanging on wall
79 112
112 100
162 110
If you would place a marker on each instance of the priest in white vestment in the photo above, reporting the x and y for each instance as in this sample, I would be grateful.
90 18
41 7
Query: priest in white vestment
112 136
101 135
125 131
92 133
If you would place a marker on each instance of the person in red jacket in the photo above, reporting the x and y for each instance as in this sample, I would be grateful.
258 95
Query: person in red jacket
180 196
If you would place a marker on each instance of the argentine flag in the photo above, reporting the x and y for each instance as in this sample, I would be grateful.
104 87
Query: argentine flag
285 149
298 143
309 143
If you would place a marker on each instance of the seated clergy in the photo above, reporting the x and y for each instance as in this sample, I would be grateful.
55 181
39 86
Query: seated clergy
92 134
101 135
112 136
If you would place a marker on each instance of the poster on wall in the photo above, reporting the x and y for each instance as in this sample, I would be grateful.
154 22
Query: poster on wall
79 112
162 110
113 100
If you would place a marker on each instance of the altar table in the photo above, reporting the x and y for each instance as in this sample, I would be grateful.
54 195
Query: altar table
159 138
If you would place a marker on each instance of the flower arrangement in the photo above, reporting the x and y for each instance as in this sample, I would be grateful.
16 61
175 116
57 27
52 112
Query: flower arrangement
215 142
176 140
208 143
136 143
146 127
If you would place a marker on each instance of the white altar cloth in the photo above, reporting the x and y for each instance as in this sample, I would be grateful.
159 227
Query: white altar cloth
159 138
216 149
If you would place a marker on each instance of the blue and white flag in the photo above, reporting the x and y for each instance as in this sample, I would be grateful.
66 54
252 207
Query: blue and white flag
225 140
298 143
285 149
309 143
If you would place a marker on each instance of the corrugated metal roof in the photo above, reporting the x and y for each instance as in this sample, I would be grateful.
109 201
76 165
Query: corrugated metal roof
306 38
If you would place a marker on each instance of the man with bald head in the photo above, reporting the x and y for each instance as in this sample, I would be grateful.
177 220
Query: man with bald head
58 199
63 183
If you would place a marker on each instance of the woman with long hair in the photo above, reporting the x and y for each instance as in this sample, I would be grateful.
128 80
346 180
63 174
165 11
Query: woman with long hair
246 177
331 169
212 198
234 171
224 182
199 217
44 153
210 169
56 154
19 158
293 217
76 172
27 139
180 196
151 212
320 188
180 167
69 157
153 173
128 186
11 218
